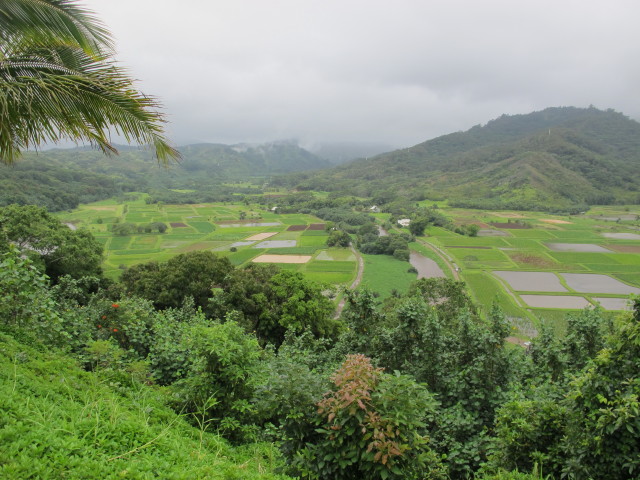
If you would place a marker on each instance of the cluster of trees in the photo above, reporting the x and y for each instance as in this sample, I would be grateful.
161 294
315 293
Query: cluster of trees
370 241
56 248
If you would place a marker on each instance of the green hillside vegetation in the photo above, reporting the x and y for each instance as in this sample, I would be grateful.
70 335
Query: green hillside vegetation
61 179
559 160
100 383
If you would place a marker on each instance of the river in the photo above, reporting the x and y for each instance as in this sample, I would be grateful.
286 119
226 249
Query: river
426 267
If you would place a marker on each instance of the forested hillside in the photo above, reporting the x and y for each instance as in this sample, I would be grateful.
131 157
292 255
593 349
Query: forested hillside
559 159
62 178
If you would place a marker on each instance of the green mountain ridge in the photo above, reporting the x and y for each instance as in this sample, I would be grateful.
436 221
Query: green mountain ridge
62 178
559 158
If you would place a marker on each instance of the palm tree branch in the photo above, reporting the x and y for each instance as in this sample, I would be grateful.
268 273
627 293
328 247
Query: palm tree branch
49 20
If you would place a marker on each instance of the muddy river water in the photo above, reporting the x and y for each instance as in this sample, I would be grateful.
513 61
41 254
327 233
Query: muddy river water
426 267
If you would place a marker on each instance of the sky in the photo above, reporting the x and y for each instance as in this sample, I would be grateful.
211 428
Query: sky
379 71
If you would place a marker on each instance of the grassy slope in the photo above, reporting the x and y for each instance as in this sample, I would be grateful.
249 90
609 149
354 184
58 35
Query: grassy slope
59 421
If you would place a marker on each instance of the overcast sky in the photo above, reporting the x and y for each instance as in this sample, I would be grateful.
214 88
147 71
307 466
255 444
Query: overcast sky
397 72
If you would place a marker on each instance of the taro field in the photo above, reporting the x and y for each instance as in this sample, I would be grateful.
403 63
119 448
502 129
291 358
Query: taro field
539 266
243 233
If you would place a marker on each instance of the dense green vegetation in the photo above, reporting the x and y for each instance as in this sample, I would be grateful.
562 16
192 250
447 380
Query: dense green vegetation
556 160
62 179
422 385
202 365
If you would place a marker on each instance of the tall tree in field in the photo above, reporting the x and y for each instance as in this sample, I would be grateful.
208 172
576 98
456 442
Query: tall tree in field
58 81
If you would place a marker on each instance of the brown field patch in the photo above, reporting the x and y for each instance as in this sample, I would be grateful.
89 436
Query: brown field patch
261 236
625 248
103 209
512 226
282 259
317 226
533 260
552 220
178 225
296 228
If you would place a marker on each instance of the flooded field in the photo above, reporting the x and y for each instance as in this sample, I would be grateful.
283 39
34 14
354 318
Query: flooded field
595 283
426 267
622 236
282 259
492 233
242 244
261 236
578 247
532 281
552 301
276 244
248 224
614 303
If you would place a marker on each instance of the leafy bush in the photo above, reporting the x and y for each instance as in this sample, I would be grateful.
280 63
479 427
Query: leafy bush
370 425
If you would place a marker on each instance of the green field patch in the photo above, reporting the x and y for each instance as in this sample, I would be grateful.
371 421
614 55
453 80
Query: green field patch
337 253
296 219
480 255
137 251
578 236
523 243
243 256
384 273
557 319
144 241
183 230
312 241
486 290
294 267
627 259
440 232
315 233
120 243
531 233
330 266
330 278
285 236
584 258
608 268
137 217
293 251
103 240
631 278
203 227
204 245
476 241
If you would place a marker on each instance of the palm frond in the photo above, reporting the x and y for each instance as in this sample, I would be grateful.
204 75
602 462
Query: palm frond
53 20
57 82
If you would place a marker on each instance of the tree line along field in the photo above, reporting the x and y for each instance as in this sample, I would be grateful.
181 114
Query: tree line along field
243 233
589 259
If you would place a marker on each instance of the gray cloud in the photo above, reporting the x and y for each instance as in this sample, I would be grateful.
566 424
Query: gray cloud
395 72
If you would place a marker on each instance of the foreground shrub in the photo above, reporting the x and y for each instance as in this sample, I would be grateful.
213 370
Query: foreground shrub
370 425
